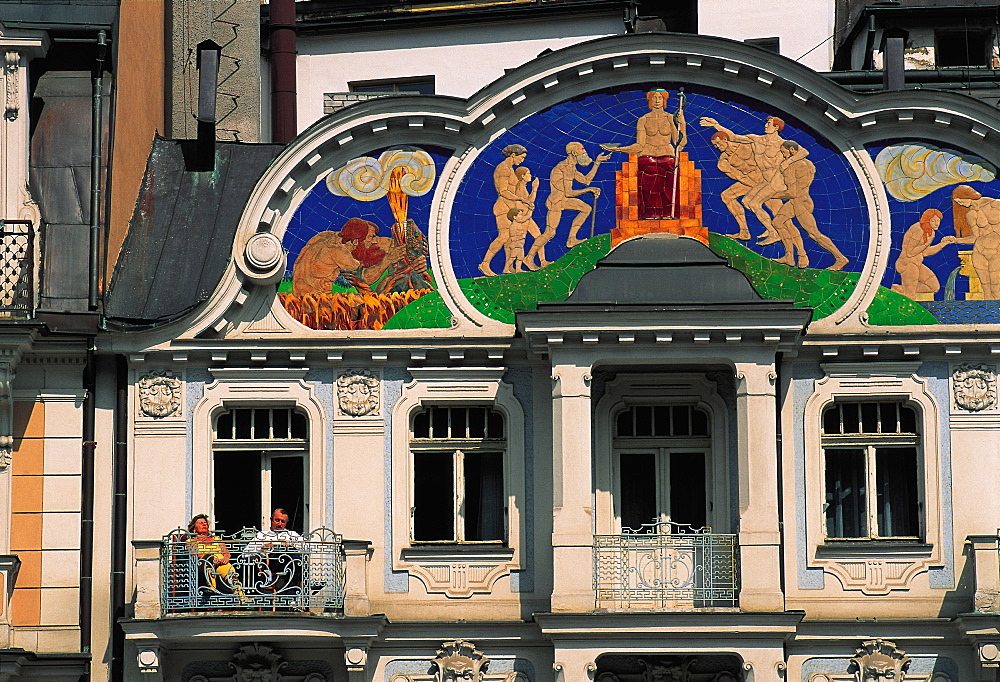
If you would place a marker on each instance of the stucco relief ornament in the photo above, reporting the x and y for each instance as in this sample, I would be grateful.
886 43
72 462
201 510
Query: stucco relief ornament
459 660
357 392
10 66
257 663
975 387
879 660
159 394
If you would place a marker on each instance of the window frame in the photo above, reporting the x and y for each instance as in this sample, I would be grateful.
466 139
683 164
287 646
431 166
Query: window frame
459 448
878 566
667 389
443 568
870 443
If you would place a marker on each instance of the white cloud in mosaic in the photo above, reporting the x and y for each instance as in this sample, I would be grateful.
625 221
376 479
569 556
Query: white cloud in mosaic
369 179
913 171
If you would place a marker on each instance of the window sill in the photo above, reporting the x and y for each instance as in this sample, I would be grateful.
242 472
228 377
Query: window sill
873 548
462 551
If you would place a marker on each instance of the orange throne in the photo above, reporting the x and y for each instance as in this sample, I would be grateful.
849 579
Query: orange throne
687 212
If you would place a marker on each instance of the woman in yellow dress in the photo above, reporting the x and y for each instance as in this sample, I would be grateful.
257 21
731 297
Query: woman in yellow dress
214 557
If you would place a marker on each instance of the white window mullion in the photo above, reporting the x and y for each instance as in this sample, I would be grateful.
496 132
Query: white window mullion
871 493
663 485
459 470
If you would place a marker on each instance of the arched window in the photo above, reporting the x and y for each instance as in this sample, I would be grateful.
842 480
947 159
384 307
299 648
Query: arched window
259 456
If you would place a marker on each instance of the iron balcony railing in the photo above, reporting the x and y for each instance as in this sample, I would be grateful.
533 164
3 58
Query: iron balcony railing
665 566
16 269
249 571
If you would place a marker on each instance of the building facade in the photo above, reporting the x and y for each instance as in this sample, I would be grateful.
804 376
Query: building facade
567 351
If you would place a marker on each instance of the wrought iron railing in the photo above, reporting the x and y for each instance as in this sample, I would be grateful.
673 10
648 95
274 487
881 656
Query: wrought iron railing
250 571
665 566
16 269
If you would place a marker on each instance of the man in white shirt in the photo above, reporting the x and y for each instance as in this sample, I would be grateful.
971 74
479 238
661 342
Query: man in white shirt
279 534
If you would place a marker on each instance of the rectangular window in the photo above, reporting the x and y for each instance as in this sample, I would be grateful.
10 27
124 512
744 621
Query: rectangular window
962 48
660 485
871 470
419 85
458 475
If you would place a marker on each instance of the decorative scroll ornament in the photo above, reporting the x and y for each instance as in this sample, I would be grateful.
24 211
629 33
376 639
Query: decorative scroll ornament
357 392
257 663
878 660
10 66
975 387
159 394
459 660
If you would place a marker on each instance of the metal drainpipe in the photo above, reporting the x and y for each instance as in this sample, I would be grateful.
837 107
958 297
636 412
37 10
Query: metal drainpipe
119 520
283 50
95 168
87 502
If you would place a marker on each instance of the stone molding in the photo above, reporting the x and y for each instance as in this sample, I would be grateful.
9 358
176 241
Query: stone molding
871 567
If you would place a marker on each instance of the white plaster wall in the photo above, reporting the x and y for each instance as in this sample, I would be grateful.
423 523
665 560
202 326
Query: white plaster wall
462 59
800 25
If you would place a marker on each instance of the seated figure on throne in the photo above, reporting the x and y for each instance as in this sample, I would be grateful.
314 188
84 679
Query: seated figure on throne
659 138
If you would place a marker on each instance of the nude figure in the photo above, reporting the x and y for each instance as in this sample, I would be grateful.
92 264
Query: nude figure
505 182
915 277
563 197
737 161
767 153
356 255
521 222
797 177
983 218
659 138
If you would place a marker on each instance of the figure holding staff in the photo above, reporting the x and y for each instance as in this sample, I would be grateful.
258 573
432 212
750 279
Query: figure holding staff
659 139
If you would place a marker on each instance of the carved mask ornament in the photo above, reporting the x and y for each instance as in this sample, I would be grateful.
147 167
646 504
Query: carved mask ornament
459 660
159 394
975 387
257 663
879 660
357 392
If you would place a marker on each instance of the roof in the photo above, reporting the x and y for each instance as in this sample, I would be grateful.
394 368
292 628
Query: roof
180 238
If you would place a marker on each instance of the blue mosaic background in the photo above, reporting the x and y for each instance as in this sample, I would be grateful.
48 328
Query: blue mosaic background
610 117
321 210
949 305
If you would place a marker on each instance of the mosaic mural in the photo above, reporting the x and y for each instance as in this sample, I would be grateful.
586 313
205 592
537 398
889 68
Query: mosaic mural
357 245
945 249
545 200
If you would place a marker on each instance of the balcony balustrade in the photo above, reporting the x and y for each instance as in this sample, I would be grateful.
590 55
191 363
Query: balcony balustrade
241 572
665 566
16 269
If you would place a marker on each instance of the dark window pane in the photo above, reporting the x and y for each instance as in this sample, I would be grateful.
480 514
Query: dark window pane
439 422
421 425
625 423
699 423
851 421
224 426
687 489
661 420
846 515
896 479
869 417
433 496
281 423
831 419
681 420
237 490
638 486
459 421
287 488
477 423
643 420
299 425
484 503
907 420
261 423
495 425
961 48
242 424
889 415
